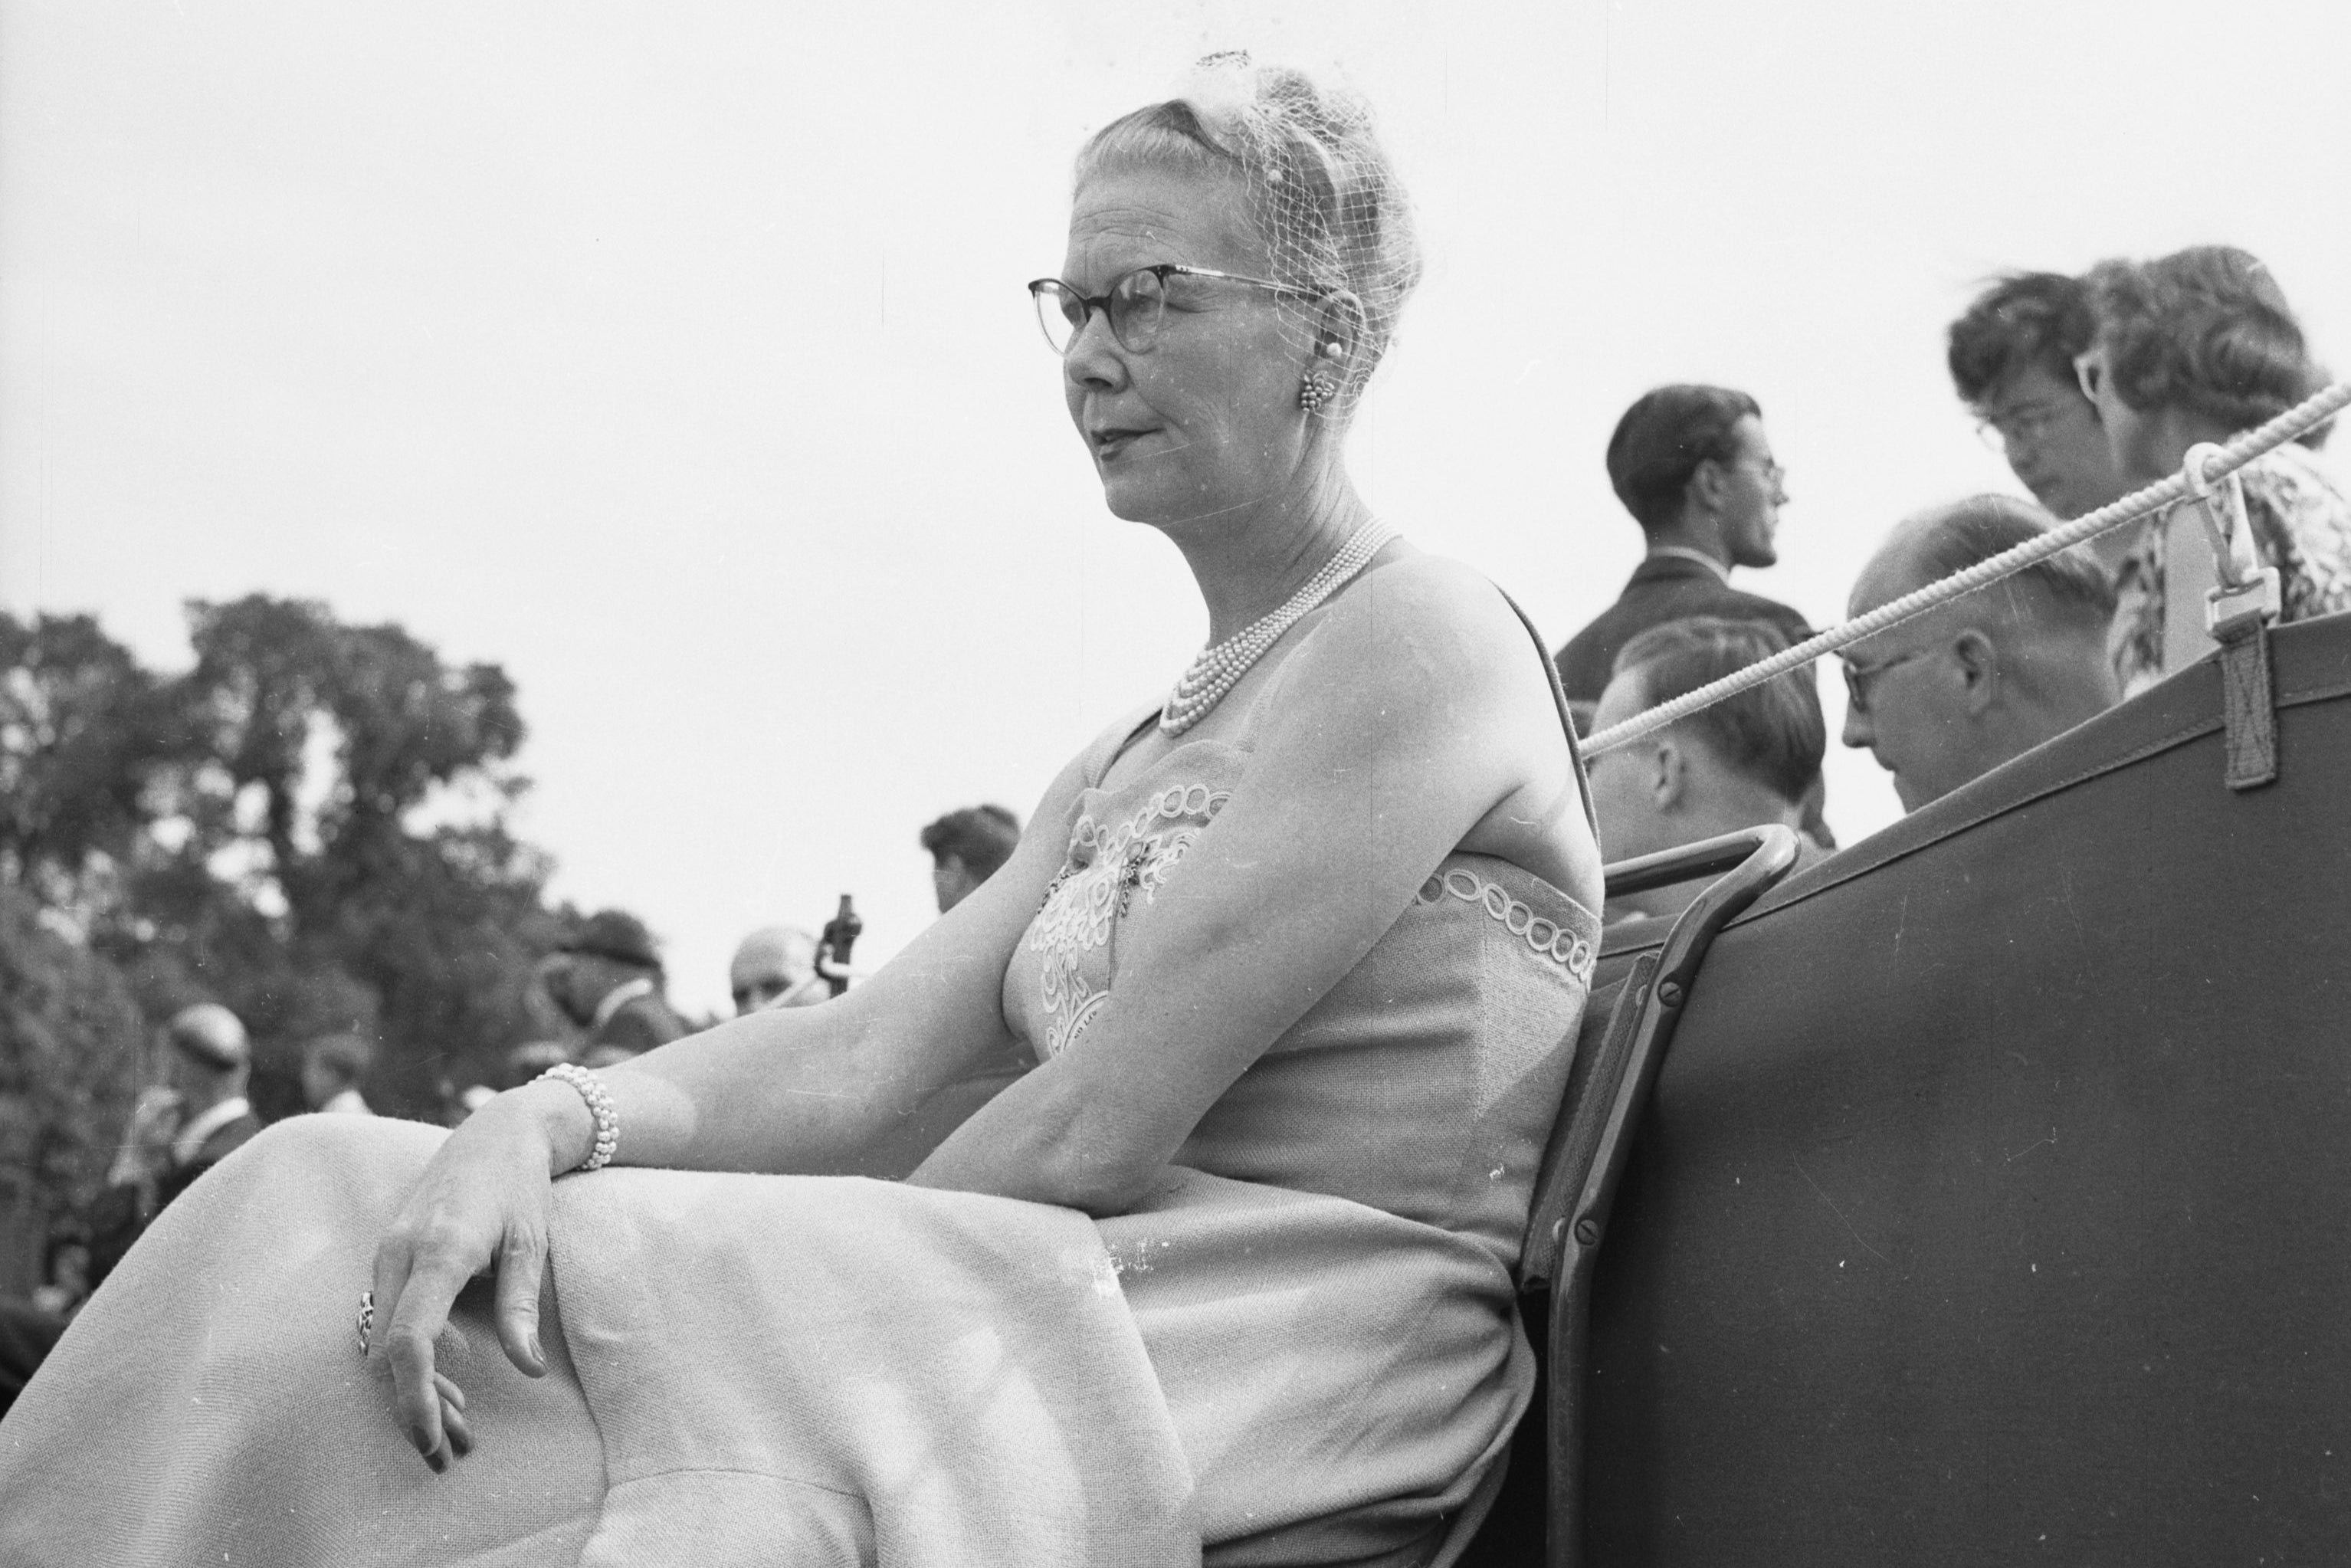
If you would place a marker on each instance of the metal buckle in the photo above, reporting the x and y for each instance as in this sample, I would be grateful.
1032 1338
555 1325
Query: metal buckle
2227 609
2248 591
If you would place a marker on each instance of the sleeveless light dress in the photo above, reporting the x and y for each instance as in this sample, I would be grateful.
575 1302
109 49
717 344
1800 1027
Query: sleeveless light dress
1324 1284
1301 1349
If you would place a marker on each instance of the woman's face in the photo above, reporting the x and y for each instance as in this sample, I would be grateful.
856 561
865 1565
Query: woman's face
2054 441
1205 420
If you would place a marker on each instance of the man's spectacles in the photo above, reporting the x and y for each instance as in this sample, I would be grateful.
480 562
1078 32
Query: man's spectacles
1773 474
1136 303
1859 677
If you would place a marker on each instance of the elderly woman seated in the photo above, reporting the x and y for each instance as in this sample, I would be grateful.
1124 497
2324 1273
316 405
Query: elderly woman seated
1297 954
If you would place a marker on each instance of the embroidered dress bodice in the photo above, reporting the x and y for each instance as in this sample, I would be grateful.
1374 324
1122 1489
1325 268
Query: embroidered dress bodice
1422 1083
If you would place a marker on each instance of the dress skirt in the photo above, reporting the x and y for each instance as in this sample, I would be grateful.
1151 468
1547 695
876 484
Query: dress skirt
802 1370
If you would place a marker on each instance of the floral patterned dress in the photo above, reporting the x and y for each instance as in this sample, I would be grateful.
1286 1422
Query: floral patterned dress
2301 525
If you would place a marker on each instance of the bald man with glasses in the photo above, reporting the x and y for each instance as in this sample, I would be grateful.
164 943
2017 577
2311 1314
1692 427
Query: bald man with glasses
1947 697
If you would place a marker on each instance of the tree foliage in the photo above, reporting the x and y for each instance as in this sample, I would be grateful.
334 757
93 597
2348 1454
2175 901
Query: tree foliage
71 1047
310 825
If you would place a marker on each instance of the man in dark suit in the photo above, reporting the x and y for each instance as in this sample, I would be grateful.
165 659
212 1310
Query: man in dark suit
179 1129
607 978
1693 466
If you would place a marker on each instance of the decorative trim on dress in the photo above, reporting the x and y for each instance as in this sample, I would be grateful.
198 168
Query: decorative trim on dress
1545 938
1106 866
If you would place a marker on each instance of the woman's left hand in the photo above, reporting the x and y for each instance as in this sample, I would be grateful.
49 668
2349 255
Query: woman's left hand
482 1204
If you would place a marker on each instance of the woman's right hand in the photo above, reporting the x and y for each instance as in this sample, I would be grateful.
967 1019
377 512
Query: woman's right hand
481 1205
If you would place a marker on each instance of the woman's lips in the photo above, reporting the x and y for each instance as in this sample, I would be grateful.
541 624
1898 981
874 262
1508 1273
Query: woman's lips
1112 444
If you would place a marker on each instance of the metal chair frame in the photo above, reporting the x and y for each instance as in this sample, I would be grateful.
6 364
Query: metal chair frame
1589 1144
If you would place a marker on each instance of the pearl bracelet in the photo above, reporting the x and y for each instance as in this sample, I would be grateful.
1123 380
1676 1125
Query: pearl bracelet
599 1107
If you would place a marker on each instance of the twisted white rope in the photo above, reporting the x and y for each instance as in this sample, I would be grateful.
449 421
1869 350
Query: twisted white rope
2315 409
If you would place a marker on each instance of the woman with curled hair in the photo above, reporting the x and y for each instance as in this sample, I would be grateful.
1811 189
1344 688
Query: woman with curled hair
1295 955
2200 346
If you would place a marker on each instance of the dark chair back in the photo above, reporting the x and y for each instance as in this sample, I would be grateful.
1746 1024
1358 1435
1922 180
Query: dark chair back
1992 1204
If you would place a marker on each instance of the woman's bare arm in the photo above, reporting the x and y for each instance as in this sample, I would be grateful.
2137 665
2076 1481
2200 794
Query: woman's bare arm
803 1089
1412 715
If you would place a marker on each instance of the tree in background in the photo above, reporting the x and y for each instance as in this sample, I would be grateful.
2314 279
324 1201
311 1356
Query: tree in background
310 826
339 855
81 729
72 1046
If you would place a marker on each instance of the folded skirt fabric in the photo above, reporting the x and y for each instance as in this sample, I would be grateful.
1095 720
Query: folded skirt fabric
773 1369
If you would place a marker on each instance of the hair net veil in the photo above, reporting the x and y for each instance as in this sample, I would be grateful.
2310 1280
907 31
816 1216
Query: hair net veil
1321 194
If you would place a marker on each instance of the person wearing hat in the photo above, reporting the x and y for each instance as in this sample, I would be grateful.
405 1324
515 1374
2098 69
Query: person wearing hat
607 978
180 1128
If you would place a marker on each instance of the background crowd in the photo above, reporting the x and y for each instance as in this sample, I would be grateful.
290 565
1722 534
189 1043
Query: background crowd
2092 387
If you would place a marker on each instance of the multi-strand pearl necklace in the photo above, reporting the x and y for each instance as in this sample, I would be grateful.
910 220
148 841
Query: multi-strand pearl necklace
1215 670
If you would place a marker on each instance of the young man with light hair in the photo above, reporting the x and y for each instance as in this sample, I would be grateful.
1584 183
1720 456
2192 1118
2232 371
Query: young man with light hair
1947 697
1751 759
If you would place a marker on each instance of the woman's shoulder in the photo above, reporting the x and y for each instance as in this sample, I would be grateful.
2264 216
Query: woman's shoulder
1421 639
1422 606
2304 523
2291 481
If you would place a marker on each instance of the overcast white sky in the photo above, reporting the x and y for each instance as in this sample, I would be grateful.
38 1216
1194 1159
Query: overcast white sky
675 357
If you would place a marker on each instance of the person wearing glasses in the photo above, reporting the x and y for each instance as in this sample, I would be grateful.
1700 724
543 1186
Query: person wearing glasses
1948 696
2012 360
1693 467
2194 347
1297 954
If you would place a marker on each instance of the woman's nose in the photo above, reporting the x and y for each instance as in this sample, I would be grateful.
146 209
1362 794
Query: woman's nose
1092 358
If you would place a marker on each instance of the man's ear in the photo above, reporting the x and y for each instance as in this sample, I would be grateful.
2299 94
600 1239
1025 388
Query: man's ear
1978 658
1708 487
1668 776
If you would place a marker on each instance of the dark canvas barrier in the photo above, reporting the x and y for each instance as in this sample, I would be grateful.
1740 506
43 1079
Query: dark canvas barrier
1996 1201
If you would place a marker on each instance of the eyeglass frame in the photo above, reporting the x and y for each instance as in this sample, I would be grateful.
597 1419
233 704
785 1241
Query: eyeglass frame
1860 677
1162 271
2032 427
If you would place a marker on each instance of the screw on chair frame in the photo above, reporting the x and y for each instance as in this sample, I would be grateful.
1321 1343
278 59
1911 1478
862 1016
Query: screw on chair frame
1590 1143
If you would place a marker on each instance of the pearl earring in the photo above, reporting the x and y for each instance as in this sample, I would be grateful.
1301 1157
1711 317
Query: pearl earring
1321 386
